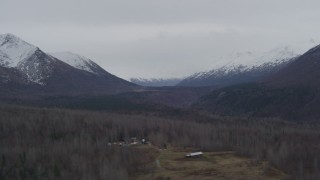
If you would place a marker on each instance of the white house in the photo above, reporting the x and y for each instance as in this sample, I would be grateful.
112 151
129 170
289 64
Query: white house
194 154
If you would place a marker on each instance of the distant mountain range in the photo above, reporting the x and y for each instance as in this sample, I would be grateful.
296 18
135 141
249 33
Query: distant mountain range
27 66
156 82
282 83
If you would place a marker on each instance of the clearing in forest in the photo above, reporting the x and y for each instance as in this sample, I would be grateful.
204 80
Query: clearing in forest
172 164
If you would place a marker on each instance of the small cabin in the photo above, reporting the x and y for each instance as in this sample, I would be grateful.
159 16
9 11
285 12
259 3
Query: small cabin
194 154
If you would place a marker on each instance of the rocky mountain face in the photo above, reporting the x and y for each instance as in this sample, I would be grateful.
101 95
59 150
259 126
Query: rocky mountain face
25 64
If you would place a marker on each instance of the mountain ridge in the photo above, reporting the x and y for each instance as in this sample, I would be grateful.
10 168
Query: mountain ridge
246 67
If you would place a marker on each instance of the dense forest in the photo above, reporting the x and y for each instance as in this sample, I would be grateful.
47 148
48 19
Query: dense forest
39 143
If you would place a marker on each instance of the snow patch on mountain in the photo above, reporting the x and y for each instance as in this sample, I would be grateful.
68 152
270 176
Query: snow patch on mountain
14 50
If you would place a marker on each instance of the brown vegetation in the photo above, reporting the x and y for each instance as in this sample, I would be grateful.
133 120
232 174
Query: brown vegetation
171 164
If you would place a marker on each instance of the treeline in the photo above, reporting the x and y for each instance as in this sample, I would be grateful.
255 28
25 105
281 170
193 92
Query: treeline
64 144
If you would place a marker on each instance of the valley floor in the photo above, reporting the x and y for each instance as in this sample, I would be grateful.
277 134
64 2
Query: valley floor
172 164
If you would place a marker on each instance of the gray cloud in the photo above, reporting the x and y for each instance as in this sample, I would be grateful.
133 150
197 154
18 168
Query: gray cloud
152 38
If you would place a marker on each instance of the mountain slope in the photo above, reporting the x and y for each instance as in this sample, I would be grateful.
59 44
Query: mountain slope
304 71
12 76
80 62
291 103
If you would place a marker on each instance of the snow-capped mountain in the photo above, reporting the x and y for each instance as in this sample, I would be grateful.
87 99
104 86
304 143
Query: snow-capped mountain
52 74
155 82
292 93
246 67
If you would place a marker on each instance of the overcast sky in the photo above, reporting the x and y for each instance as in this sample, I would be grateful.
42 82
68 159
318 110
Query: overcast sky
160 38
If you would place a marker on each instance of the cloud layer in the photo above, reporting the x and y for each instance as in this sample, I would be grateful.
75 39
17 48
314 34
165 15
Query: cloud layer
167 38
